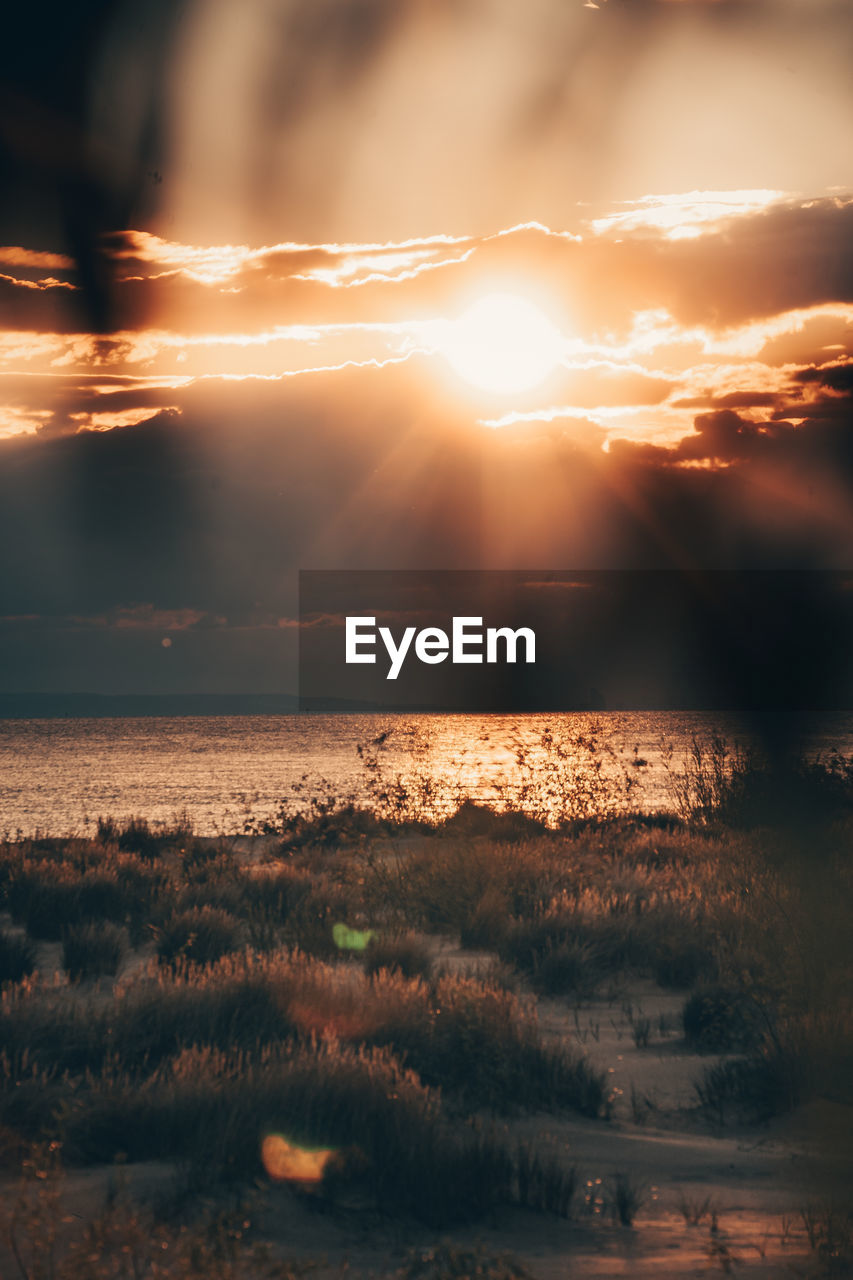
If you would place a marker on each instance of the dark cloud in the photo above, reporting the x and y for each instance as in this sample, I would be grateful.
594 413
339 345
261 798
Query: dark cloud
212 513
722 278
723 436
837 377
818 339
61 176
64 403
788 257
36 305
821 435
70 402
196 525
758 265
340 142
732 400
92 521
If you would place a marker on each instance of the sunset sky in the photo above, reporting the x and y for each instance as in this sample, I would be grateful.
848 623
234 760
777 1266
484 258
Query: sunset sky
408 284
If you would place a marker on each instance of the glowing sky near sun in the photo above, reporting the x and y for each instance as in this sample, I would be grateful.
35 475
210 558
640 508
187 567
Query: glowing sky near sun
349 290
603 323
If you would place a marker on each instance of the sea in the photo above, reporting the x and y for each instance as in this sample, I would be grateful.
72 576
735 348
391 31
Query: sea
232 774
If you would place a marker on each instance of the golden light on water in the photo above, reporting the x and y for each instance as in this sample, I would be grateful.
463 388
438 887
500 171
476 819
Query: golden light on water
286 1161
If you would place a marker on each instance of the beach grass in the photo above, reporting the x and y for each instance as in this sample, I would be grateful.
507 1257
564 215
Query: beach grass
214 996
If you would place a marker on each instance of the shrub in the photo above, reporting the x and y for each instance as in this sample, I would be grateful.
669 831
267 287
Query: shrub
17 958
566 967
478 1043
798 1057
135 836
214 1110
626 1198
754 1088
544 1184
487 924
271 894
315 911
447 1261
508 825
46 908
48 897
102 896
692 1209
734 785
122 1240
555 952
204 859
200 936
93 950
829 1229
222 895
720 1019
682 959
325 823
447 885
641 1029
406 954
475 1041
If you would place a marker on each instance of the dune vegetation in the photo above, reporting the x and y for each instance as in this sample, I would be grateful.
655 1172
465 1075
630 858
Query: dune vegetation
282 1009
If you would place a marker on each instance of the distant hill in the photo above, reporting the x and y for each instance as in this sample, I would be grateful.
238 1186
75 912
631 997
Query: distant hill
49 706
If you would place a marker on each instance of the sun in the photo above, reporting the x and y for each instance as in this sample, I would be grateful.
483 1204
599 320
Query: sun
503 343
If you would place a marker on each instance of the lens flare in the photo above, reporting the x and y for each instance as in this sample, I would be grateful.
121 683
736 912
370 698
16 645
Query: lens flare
347 939
286 1161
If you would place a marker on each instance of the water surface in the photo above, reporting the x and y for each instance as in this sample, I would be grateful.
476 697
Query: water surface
59 776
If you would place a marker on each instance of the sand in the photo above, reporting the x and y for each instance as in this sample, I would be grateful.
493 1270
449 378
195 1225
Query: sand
745 1185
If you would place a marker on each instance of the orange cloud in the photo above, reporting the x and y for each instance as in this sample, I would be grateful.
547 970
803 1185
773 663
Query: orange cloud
15 256
684 216
146 617
36 285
